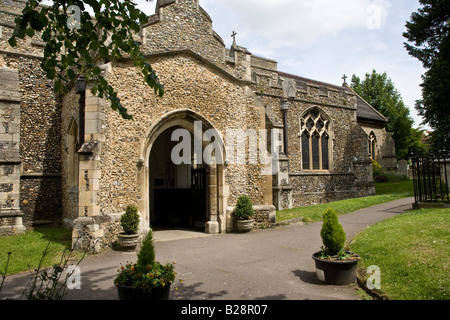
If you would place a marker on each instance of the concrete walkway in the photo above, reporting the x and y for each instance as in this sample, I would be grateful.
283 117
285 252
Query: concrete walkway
263 264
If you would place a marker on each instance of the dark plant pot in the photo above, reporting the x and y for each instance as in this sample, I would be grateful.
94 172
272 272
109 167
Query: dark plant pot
129 293
245 225
128 241
336 272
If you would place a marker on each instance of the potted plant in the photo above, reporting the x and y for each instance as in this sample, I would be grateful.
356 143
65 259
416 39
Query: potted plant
147 279
244 213
129 221
334 265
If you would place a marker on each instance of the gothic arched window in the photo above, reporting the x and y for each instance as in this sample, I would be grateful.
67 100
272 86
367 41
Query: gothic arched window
72 154
315 136
373 146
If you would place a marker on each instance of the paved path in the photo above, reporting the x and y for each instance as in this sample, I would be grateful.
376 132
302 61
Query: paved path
263 264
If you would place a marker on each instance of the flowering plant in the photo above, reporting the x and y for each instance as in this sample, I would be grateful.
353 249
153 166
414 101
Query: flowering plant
152 276
147 273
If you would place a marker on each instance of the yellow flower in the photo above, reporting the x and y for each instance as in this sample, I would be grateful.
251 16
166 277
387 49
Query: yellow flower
163 284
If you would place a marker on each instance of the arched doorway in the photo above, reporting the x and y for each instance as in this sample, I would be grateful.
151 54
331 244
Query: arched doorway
187 194
178 192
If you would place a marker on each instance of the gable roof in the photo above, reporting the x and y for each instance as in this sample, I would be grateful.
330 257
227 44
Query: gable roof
365 112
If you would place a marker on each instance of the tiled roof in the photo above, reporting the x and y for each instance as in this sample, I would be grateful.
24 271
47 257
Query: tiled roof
365 111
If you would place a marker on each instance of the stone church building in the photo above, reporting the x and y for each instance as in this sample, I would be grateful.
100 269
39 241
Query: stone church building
72 160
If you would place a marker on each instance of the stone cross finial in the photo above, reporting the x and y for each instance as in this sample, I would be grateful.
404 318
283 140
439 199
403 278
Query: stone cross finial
345 79
233 35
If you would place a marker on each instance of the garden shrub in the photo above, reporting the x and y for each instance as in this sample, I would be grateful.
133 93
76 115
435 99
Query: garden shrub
244 208
332 233
146 255
381 175
130 220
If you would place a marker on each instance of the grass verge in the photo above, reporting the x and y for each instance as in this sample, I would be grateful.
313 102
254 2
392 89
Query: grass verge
411 251
385 192
27 249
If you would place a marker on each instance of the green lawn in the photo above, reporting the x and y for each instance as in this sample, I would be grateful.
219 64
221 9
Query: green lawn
27 249
385 192
412 252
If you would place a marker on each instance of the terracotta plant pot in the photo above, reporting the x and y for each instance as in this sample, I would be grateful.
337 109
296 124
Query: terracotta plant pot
129 293
336 272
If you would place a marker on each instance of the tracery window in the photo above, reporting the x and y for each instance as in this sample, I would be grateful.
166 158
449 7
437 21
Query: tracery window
315 140
373 146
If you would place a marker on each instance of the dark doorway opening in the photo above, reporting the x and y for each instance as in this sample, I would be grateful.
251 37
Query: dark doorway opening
178 193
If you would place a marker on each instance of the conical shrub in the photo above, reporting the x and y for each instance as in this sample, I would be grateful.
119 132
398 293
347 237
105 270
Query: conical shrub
146 255
332 233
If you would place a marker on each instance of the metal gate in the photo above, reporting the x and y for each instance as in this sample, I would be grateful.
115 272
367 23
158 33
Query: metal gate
431 175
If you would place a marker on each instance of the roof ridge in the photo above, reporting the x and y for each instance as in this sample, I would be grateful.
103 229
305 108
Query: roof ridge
368 104
310 80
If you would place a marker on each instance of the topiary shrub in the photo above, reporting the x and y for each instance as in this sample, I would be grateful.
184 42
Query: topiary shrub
332 233
146 255
244 208
130 220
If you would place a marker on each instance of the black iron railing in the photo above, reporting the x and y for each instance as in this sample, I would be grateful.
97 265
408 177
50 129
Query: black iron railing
431 174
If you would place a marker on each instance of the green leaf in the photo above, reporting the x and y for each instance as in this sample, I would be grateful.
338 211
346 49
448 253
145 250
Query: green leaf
96 71
30 32
103 52
70 59
21 33
71 74
57 86
12 42
51 73
94 45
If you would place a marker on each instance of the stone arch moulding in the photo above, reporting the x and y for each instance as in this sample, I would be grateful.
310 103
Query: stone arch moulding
217 193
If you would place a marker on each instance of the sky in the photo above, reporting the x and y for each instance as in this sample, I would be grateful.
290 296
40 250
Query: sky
323 39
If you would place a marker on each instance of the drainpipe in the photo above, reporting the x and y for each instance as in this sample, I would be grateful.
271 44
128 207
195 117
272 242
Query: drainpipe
80 88
284 109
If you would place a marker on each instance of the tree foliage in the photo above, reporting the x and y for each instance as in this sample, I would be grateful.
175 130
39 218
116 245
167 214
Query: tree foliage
429 42
379 91
78 48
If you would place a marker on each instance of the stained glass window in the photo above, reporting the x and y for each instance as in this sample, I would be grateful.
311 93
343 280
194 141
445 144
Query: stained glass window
325 146
305 150
315 140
